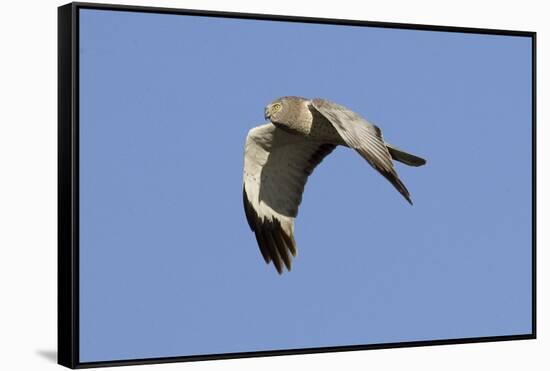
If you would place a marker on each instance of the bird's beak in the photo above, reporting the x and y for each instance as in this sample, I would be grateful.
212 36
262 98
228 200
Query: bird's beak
266 114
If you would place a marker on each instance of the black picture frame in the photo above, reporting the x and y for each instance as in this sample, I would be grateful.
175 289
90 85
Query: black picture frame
68 183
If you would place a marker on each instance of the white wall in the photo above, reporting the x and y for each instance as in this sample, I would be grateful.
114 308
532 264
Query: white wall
28 182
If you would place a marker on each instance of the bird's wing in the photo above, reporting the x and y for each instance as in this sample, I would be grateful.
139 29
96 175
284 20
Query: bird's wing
364 137
276 167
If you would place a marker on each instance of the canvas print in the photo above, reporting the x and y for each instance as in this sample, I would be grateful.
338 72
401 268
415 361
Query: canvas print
257 185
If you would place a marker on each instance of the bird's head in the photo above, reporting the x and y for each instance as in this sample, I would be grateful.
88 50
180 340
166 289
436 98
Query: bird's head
284 110
273 110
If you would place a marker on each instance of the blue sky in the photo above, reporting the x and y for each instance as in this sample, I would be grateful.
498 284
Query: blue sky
168 265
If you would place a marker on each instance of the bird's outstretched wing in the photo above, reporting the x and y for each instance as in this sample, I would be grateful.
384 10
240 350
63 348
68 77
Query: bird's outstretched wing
276 167
364 137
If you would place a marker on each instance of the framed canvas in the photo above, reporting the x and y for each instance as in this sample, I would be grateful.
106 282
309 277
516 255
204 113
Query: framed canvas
237 185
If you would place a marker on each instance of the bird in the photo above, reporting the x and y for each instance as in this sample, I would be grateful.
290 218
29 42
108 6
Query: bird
281 154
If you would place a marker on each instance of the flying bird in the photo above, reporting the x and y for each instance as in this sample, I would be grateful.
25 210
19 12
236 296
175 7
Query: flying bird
280 155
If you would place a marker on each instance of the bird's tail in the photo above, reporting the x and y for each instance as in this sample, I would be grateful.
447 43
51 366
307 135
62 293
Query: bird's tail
404 157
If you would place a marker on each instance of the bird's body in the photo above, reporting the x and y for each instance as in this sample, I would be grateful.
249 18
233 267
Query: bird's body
279 157
308 123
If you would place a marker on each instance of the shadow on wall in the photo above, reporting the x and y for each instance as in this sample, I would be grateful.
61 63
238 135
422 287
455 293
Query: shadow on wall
50 355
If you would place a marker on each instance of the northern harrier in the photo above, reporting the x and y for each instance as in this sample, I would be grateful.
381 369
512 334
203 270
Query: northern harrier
279 157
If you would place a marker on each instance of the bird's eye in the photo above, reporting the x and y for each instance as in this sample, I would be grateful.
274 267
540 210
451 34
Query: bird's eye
276 106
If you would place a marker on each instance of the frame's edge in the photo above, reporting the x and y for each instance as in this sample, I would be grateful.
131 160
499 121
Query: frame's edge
302 19
67 331
286 352
534 180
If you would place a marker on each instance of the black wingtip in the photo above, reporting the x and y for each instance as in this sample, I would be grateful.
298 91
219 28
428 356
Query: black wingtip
275 245
399 185
406 194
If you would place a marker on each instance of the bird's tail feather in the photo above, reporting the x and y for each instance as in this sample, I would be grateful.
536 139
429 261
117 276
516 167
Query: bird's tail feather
404 157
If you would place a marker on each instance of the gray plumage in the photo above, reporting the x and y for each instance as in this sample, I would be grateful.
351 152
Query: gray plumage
280 155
